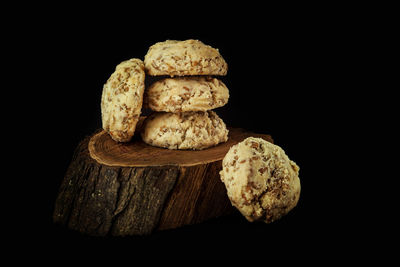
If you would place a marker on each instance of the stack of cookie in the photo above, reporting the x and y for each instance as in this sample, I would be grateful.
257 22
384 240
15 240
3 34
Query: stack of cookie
183 97
183 101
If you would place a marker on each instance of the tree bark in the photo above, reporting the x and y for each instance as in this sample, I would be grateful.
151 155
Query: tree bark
120 189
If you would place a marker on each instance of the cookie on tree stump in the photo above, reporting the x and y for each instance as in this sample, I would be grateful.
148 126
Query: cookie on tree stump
132 188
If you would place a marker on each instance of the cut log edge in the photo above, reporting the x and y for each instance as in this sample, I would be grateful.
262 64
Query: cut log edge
98 135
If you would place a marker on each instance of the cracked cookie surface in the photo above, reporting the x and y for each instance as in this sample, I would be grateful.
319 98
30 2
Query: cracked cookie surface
179 58
122 99
261 181
187 130
186 94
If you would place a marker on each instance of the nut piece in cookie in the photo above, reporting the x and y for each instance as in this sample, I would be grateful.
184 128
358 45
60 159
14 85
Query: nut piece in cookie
122 99
186 130
179 58
261 181
181 94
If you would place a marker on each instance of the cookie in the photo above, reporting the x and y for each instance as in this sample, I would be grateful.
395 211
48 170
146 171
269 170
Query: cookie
122 99
179 58
187 94
261 181
187 130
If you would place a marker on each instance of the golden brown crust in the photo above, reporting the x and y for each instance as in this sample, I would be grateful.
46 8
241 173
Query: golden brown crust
122 99
179 58
187 94
261 181
187 130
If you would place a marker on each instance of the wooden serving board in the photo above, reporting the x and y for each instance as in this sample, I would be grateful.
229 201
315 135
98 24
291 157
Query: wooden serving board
133 188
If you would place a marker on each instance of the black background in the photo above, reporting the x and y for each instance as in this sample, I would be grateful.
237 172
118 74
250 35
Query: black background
288 77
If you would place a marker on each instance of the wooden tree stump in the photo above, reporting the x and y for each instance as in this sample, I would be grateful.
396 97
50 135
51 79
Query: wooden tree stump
132 188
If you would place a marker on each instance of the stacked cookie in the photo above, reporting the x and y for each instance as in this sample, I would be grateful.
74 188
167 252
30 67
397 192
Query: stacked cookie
182 98
261 181
183 101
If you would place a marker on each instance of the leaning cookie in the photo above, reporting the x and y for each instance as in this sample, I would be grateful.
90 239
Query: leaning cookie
187 130
122 99
187 94
179 58
261 181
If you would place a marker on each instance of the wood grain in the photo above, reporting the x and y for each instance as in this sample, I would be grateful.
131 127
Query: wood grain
135 189
138 154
